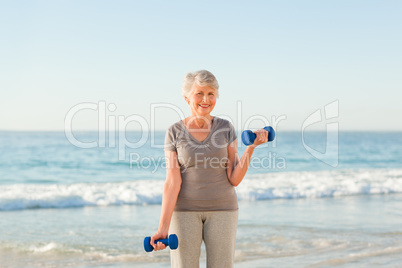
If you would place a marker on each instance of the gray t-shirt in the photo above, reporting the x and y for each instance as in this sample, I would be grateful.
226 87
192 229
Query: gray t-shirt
205 184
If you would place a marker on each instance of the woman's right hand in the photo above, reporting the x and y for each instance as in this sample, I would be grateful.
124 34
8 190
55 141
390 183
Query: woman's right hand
157 236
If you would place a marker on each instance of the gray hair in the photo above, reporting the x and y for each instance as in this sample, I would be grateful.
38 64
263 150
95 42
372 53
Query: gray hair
202 78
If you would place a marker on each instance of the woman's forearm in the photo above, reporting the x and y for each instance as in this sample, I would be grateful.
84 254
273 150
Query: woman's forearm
170 192
240 168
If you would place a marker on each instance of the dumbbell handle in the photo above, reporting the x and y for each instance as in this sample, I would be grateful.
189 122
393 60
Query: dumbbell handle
164 241
248 136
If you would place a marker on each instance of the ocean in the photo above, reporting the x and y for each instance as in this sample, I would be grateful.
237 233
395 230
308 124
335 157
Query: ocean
306 201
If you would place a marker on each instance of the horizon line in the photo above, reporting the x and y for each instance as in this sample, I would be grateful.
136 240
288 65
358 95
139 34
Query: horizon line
136 130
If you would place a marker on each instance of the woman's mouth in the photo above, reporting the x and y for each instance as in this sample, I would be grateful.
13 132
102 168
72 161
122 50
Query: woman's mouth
204 105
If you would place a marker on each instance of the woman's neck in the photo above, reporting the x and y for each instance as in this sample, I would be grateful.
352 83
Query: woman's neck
197 121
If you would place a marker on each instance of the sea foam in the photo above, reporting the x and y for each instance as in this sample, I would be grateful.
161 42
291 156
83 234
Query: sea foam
281 185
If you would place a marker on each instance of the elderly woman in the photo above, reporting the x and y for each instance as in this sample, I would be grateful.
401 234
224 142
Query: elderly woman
203 167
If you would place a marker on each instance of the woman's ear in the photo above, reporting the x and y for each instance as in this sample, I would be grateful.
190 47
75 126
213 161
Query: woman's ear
187 100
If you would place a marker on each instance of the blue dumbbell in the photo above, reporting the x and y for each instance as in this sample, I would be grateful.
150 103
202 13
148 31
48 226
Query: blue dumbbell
248 136
172 242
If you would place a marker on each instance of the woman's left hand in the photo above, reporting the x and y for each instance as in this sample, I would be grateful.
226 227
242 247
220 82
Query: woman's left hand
262 137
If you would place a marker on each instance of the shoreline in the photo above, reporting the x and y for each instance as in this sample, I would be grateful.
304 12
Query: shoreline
271 233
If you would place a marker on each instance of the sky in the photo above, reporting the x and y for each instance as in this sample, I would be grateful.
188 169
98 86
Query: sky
91 65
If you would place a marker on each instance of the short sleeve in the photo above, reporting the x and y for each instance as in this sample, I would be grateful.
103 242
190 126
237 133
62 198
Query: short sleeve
231 133
170 140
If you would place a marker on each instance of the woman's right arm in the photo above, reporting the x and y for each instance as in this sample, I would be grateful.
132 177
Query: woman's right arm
170 192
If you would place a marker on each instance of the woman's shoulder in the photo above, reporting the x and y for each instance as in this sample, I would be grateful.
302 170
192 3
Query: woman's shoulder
221 122
176 127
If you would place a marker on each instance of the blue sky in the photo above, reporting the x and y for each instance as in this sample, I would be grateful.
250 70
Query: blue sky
274 58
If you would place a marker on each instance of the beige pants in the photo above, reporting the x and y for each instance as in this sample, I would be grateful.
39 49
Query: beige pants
216 228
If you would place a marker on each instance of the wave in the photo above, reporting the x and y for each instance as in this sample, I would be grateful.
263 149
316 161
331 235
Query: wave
321 184
284 185
77 254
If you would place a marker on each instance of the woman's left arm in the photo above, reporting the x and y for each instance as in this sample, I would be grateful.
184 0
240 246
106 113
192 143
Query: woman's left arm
236 169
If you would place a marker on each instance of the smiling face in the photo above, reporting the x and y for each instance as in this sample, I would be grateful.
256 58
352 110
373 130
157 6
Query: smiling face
202 100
